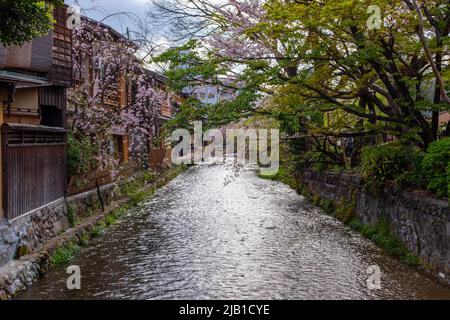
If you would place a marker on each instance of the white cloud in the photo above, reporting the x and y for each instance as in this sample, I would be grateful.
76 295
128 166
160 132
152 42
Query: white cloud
99 9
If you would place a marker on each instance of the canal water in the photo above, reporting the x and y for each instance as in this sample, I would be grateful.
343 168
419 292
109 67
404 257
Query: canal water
217 232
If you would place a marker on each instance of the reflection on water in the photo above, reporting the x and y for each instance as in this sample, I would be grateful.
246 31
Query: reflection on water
206 236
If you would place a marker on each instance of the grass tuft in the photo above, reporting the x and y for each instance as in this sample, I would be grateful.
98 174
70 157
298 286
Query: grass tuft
63 255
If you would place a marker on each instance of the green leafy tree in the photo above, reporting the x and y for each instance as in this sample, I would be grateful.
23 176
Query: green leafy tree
23 20
323 72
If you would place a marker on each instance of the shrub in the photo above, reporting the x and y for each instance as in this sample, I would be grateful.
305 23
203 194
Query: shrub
110 220
81 154
319 161
130 188
356 225
137 198
392 161
412 179
316 200
148 177
284 174
84 238
436 167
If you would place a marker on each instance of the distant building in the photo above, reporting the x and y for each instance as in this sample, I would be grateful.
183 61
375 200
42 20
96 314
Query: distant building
211 94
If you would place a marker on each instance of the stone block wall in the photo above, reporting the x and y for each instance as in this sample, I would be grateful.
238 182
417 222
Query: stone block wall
23 235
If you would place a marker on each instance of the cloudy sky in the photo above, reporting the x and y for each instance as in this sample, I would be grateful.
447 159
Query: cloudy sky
99 9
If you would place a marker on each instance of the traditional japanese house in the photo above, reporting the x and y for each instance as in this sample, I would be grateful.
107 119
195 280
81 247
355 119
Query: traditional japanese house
33 82
106 74
158 150
111 95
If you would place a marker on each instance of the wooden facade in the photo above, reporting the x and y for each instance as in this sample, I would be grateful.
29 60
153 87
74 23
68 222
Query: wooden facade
34 165
48 57
117 95
61 70
33 82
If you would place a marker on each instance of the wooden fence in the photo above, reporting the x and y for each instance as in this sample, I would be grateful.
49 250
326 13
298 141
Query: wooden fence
34 167
89 181
159 157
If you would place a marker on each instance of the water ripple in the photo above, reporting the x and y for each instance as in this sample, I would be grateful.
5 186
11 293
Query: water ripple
199 238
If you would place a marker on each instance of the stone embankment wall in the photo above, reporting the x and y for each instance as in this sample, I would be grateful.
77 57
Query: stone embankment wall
421 222
24 235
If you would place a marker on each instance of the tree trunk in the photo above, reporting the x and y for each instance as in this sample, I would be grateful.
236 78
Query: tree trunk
437 96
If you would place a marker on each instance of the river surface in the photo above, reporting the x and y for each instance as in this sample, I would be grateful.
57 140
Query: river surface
217 232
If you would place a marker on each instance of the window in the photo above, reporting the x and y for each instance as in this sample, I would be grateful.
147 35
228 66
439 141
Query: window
100 68
51 116
117 147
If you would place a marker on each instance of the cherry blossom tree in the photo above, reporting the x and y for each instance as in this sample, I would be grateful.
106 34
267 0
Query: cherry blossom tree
105 63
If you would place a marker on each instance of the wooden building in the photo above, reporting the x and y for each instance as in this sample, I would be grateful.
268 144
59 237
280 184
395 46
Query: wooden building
124 144
116 98
159 152
33 82
118 95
